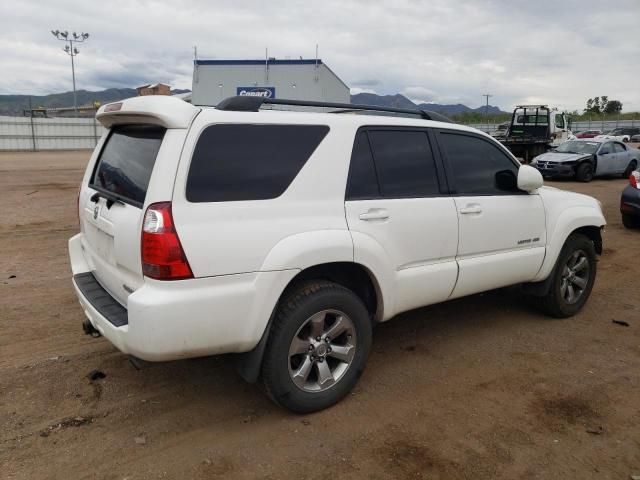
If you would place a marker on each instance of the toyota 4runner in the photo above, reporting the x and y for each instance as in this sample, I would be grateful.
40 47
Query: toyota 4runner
286 236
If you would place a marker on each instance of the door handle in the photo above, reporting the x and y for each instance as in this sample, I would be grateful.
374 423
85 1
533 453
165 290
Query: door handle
471 209
374 214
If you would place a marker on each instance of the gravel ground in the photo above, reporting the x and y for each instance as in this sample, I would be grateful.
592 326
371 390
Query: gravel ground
483 387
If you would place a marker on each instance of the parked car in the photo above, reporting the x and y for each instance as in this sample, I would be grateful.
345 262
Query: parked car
635 138
621 134
630 202
584 159
274 234
588 134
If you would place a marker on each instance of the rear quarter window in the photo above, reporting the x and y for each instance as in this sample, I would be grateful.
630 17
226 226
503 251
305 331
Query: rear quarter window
126 161
249 162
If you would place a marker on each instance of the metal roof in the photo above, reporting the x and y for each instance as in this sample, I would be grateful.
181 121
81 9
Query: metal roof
271 61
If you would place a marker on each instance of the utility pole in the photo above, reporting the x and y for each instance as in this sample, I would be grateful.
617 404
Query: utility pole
486 110
72 51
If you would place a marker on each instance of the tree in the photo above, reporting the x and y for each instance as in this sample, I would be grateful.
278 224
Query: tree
613 106
602 105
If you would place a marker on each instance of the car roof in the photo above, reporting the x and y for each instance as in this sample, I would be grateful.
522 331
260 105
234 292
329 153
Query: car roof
591 140
328 118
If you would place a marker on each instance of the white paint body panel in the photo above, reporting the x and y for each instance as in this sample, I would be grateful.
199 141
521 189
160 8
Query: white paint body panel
244 254
418 242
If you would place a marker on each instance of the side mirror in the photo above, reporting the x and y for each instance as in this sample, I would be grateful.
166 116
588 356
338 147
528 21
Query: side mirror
529 178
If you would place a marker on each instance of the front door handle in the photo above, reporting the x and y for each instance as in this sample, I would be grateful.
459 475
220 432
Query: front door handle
374 214
469 209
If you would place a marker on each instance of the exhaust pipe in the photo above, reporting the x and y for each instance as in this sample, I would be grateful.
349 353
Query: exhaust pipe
89 329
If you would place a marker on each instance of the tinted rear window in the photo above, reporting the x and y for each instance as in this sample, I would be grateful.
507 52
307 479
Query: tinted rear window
127 160
249 162
404 163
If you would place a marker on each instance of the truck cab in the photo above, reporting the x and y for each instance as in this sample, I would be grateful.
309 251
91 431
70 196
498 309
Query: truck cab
534 129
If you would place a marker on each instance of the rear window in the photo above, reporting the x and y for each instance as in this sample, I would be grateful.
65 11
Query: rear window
127 160
249 162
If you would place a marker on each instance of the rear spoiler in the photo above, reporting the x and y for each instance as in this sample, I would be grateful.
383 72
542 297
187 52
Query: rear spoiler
160 110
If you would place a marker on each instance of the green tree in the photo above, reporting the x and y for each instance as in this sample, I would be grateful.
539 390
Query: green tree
602 105
613 106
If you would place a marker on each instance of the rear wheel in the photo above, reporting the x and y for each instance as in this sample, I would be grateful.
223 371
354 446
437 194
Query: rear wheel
629 221
630 168
584 172
317 348
573 278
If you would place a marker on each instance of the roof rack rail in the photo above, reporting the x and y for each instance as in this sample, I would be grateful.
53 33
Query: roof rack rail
253 104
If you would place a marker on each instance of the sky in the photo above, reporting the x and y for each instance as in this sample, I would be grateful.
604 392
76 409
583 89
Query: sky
441 51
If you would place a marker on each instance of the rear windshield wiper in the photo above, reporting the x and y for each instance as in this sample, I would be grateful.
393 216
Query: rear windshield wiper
109 197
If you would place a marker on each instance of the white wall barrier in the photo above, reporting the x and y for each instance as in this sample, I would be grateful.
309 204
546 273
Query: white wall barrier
25 133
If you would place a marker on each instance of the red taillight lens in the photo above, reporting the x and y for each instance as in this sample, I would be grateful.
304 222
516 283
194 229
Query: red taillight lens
162 254
634 179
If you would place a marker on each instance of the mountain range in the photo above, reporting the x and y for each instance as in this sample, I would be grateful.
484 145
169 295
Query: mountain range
400 101
15 104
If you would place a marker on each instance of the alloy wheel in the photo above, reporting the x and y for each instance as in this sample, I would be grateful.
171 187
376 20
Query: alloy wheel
575 277
322 350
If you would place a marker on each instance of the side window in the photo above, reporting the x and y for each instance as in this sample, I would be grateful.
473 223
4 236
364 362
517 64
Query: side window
606 149
363 182
559 121
479 168
404 163
249 162
619 147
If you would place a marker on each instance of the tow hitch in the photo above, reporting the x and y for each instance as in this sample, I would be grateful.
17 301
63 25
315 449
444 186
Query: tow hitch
89 329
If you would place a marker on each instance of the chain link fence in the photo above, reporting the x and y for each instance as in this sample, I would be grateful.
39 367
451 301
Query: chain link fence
32 133
591 124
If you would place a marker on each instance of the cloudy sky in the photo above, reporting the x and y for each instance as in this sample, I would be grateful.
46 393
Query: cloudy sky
443 51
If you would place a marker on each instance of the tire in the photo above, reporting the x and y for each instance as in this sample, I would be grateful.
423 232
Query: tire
557 302
630 168
584 172
625 140
629 221
291 376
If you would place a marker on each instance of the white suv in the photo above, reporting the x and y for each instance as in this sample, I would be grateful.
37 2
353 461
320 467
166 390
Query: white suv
285 236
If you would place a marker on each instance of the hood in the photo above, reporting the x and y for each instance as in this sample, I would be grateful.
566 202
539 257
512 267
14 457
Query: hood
561 157
560 200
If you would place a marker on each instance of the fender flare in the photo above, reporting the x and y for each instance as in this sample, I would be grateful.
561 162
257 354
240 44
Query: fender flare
570 220
294 253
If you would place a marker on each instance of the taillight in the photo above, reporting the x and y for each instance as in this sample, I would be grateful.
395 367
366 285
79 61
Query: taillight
634 179
162 255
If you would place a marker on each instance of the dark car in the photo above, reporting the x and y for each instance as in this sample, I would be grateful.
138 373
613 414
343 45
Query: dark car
630 202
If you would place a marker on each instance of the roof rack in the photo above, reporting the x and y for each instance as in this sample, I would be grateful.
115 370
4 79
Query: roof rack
253 104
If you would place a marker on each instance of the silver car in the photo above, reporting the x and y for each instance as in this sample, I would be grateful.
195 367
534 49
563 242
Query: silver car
584 159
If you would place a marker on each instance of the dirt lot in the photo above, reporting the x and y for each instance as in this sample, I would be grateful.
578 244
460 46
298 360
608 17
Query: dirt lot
483 387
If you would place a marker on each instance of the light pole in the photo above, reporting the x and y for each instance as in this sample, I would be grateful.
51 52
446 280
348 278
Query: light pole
72 52
486 110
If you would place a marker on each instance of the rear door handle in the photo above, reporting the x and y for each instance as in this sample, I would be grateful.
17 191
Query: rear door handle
374 214
474 208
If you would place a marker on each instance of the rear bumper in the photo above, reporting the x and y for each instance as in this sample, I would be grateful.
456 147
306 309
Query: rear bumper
630 201
185 318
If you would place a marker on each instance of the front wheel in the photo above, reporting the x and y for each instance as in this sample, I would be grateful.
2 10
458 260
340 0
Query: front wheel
629 221
573 278
317 347
584 172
